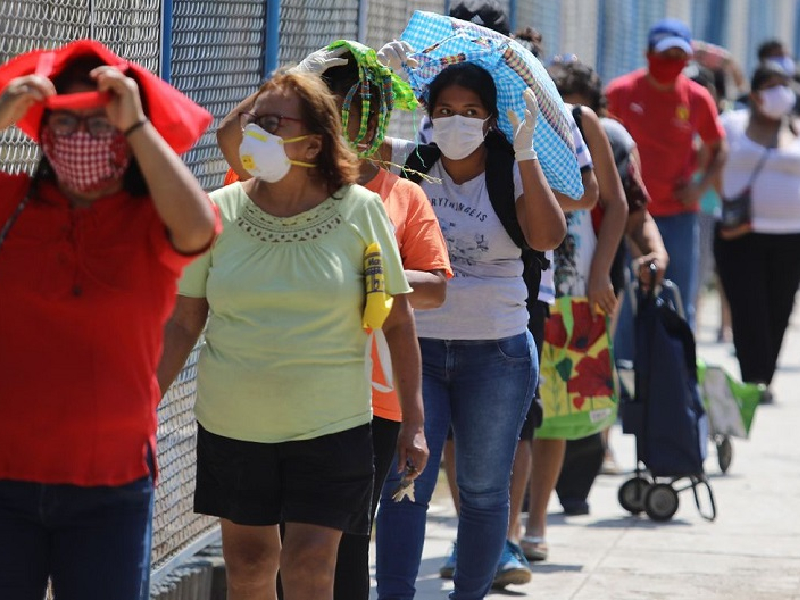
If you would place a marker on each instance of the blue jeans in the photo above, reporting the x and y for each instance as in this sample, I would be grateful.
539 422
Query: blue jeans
681 234
484 389
93 542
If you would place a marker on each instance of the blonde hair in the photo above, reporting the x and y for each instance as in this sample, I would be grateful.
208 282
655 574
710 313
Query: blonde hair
336 163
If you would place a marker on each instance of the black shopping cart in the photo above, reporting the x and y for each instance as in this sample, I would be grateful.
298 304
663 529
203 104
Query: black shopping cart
665 412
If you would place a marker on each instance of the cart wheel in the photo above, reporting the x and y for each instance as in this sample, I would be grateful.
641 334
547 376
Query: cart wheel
661 502
632 493
724 453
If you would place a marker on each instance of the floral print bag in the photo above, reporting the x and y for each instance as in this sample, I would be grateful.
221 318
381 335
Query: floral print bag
576 375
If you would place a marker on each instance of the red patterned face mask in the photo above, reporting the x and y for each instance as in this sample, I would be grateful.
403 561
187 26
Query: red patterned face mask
83 163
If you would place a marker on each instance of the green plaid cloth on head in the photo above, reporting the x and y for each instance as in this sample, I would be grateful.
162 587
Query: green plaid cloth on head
394 93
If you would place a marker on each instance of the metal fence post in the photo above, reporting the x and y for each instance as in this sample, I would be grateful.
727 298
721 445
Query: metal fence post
166 40
363 7
512 16
272 37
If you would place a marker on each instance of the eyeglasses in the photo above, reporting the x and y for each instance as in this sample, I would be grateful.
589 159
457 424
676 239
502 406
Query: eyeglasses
65 123
269 122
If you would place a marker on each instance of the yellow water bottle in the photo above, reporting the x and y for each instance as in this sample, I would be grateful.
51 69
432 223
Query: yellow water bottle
378 303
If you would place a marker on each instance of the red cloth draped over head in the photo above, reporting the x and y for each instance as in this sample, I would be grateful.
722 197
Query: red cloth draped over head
178 119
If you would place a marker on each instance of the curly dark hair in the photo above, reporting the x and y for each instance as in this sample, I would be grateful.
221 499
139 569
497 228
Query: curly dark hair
574 77
487 13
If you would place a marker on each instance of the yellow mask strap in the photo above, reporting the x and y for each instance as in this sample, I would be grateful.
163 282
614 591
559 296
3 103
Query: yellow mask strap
297 162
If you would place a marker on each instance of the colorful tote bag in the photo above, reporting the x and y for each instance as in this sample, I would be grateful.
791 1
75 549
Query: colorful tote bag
576 380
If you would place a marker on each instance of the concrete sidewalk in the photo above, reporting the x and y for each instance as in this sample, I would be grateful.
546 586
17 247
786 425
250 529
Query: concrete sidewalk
751 552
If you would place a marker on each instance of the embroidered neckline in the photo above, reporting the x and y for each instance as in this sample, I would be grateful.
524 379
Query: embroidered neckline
308 225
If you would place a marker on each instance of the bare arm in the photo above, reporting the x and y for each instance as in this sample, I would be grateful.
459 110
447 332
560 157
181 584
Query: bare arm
229 136
401 336
691 193
615 215
647 244
539 215
591 192
430 288
181 203
180 335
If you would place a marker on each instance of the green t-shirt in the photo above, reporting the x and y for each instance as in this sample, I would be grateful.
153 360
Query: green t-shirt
284 357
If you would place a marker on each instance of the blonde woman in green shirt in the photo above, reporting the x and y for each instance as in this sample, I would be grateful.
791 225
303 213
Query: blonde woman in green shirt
283 380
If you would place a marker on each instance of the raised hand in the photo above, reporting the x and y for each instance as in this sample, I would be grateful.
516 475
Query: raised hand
523 132
20 94
124 109
320 61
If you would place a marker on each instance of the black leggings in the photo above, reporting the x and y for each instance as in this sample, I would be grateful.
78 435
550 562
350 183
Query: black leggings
352 564
760 274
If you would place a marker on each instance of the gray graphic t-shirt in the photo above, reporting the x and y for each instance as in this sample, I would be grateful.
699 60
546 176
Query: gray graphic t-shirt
486 296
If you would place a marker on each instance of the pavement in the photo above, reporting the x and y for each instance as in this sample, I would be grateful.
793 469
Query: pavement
751 551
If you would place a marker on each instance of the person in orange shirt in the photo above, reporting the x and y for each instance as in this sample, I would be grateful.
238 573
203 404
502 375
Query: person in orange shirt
422 249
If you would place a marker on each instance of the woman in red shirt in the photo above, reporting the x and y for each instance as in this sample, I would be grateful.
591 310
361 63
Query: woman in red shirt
90 249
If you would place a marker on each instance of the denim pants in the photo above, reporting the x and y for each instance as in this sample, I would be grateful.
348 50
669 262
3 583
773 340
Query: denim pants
484 389
681 235
93 542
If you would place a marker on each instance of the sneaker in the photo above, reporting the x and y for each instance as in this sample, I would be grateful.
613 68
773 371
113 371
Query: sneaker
513 568
448 569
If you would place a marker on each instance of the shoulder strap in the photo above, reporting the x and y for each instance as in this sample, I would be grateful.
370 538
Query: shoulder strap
500 185
14 216
420 162
577 114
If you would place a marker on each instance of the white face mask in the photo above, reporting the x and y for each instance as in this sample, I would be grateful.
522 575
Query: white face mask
263 156
458 137
777 102
784 63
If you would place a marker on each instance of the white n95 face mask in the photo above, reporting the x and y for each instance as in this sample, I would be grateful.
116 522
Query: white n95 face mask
458 137
777 102
263 156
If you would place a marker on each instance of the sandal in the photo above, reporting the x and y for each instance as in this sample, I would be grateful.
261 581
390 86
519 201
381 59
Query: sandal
534 547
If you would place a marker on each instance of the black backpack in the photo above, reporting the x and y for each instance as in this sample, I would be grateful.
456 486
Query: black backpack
500 185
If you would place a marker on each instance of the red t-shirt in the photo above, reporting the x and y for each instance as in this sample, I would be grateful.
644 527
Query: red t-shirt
664 124
85 295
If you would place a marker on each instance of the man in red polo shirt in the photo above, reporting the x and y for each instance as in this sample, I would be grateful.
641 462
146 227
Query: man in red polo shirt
666 113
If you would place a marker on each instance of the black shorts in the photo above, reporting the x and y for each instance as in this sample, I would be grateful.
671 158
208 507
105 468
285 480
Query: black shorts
325 481
538 311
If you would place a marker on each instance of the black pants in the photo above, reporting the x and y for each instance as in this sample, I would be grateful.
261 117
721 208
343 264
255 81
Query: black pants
352 564
583 460
760 274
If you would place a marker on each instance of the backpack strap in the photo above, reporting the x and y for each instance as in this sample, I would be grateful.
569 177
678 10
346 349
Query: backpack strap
420 162
577 114
500 185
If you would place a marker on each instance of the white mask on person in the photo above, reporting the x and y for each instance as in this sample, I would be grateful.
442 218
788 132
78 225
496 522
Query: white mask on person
777 102
458 137
263 155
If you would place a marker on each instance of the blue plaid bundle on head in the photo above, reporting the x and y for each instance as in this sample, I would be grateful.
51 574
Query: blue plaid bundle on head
440 41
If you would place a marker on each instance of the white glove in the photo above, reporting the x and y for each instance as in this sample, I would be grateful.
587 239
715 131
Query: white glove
523 132
395 56
320 61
